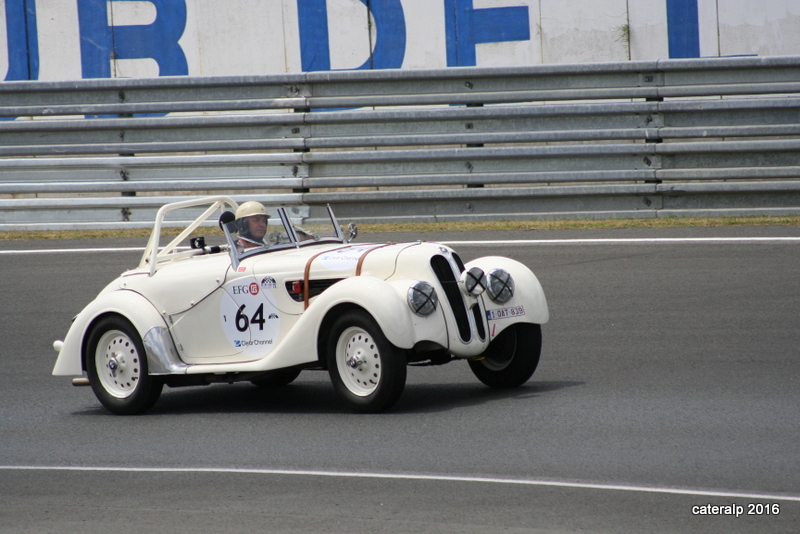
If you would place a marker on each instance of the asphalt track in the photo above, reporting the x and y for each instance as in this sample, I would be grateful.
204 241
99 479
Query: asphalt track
667 400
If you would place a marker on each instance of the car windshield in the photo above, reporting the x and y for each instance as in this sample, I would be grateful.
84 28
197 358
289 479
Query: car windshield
256 234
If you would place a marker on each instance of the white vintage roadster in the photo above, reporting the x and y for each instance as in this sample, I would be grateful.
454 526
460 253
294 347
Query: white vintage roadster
264 308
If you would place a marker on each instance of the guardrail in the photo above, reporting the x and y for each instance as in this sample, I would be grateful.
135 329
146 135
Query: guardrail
637 139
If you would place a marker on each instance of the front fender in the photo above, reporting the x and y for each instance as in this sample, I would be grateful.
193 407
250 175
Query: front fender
378 297
133 306
528 305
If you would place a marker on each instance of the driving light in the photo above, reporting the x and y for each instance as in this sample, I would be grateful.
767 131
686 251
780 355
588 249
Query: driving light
501 285
473 282
422 298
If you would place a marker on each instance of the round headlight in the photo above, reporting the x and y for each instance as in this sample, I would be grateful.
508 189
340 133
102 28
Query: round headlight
422 298
473 281
501 285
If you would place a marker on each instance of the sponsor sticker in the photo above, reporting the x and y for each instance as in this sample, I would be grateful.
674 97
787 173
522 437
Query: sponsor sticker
250 316
250 289
505 313
343 259
251 342
268 283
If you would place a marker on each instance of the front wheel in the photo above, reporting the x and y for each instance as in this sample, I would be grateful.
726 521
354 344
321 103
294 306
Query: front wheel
511 357
367 371
117 368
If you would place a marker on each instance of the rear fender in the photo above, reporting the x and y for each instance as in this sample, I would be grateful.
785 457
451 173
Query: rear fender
134 307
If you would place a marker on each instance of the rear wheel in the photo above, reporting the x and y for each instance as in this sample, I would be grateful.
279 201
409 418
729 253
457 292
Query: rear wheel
511 358
117 368
367 371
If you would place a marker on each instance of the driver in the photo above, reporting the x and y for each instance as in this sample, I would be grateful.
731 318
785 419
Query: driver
251 221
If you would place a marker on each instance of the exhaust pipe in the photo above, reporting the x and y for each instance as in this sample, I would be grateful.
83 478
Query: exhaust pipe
80 382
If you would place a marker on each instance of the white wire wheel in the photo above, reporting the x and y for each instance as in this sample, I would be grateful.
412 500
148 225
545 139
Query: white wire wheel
367 371
117 366
358 360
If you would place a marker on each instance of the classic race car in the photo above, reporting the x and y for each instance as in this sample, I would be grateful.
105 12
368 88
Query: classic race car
281 296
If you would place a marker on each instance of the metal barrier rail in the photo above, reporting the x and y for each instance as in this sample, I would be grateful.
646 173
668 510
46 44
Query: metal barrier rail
635 139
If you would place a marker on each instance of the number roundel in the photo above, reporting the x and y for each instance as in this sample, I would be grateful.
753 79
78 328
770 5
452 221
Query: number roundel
249 316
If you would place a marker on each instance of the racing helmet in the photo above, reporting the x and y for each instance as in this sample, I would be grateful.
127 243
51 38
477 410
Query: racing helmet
248 209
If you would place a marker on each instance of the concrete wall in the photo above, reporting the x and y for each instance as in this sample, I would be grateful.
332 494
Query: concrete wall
73 39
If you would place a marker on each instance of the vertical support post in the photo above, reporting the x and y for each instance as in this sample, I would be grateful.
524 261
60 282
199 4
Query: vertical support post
474 145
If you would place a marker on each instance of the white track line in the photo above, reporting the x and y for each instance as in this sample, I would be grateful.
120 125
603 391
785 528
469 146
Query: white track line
436 478
608 241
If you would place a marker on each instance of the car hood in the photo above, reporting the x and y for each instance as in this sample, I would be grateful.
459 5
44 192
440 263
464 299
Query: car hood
379 260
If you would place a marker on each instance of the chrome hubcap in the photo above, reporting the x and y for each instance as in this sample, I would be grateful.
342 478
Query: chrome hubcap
113 364
355 361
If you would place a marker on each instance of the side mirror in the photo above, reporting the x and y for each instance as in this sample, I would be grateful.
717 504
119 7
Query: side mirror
352 231
225 218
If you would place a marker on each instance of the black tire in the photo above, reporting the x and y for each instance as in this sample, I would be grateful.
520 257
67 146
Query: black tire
511 358
117 366
276 379
367 371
